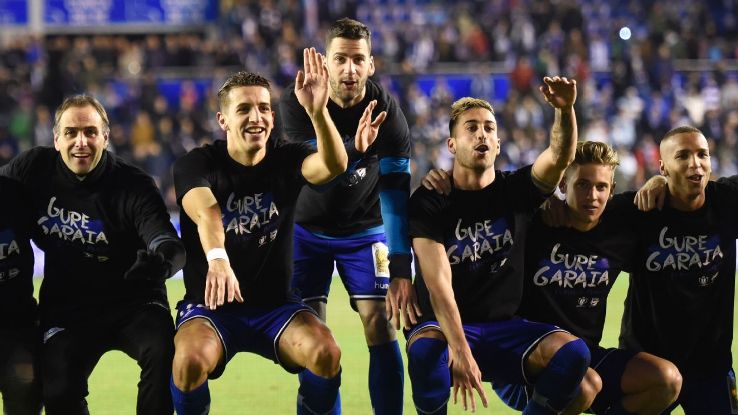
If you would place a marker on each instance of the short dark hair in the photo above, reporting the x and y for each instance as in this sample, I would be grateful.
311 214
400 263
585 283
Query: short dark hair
78 101
240 79
681 130
349 29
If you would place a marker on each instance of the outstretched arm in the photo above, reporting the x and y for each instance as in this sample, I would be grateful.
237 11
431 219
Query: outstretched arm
311 89
221 284
436 271
549 167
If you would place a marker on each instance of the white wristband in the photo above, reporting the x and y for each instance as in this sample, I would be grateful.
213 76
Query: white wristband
217 253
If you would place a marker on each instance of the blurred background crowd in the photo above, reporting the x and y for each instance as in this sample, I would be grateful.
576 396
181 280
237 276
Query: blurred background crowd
642 67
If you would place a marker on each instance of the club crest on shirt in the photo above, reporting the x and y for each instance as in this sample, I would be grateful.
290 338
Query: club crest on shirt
566 270
356 176
698 256
487 239
256 214
72 226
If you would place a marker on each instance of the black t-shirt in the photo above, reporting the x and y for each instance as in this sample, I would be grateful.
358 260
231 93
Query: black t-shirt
569 274
350 203
90 231
680 300
258 207
17 305
483 232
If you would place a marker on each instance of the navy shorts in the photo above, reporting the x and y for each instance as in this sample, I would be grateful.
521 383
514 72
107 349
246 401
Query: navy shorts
608 363
362 262
709 394
500 348
244 328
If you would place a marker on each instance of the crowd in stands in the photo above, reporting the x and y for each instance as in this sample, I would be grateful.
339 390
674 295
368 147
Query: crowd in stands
642 66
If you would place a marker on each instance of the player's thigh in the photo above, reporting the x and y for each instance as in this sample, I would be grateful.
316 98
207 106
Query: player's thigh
377 327
147 332
305 340
363 264
644 371
544 351
313 265
68 358
424 331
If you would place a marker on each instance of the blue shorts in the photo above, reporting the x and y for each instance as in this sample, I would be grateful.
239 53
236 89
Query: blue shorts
500 348
362 263
608 363
709 394
243 328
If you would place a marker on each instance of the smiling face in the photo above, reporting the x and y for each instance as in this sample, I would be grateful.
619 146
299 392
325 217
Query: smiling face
474 143
349 64
685 162
80 137
588 188
248 119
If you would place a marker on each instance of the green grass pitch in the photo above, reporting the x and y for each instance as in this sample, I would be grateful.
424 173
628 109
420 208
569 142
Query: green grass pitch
255 385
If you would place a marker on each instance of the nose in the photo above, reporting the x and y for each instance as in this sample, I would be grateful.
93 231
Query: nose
254 116
81 140
351 67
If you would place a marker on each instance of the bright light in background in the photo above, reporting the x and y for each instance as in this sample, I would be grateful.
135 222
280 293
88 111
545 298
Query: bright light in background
625 33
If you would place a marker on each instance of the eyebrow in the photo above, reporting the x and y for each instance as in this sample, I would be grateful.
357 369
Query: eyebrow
480 122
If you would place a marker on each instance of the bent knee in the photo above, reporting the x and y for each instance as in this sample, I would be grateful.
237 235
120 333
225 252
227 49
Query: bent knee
591 385
324 358
191 367
671 380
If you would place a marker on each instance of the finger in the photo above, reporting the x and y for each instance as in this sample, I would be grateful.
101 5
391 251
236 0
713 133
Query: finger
464 391
237 292
299 81
321 69
207 293
213 294
380 119
480 390
306 60
416 307
396 318
456 393
221 292
313 61
230 292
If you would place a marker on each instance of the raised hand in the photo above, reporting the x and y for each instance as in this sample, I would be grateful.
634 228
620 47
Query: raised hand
221 284
311 85
559 91
367 130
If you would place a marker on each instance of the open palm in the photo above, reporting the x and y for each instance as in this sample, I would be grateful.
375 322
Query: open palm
311 85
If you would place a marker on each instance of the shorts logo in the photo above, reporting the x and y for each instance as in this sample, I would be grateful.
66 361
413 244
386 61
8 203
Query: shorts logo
380 255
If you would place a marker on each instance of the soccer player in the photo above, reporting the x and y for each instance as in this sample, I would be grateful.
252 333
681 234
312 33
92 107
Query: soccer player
469 246
569 272
346 223
680 300
238 202
109 247
19 336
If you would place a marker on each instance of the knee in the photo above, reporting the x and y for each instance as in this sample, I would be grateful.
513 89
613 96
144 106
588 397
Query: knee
324 358
191 367
670 381
427 352
377 328
590 386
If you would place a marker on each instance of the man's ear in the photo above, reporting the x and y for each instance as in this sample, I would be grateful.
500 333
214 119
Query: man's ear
662 170
562 184
451 143
222 121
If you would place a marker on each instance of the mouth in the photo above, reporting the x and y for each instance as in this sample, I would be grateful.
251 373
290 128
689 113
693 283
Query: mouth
481 149
81 156
591 209
350 84
695 178
255 130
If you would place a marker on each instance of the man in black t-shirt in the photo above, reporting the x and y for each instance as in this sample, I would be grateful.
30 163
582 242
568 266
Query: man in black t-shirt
680 300
238 202
569 272
469 247
19 335
109 246
345 223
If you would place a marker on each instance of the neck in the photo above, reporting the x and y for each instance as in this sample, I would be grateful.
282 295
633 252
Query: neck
686 203
582 226
245 157
468 179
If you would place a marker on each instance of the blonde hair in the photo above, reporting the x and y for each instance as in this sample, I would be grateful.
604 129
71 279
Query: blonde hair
465 104
79 101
